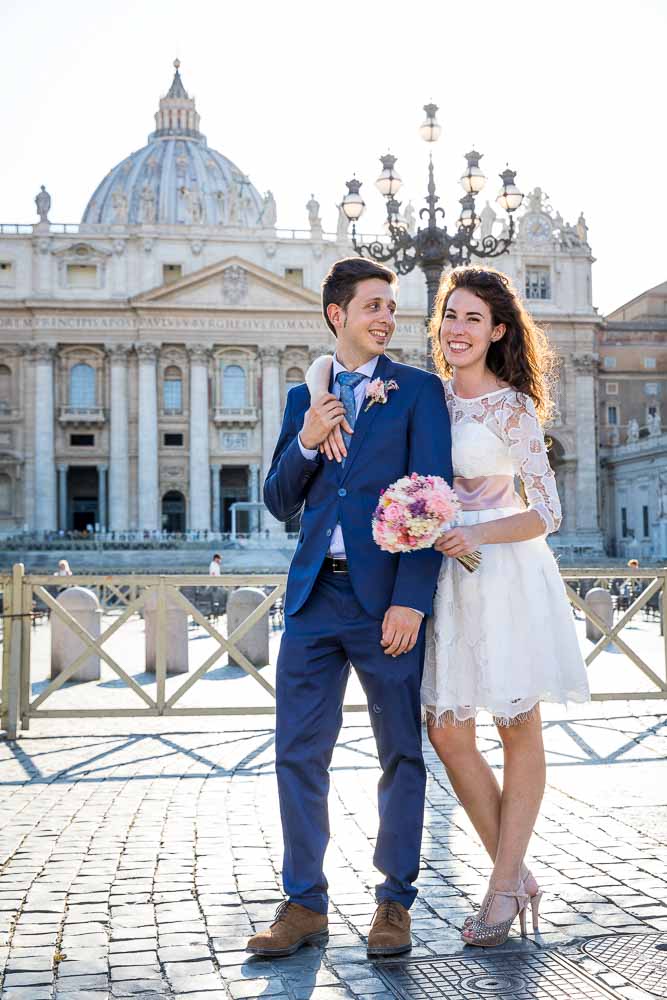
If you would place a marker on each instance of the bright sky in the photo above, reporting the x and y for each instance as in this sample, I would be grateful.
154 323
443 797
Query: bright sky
301 95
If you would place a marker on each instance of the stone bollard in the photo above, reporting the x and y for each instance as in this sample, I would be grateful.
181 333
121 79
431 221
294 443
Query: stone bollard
66 646
176 623
255 643
599 600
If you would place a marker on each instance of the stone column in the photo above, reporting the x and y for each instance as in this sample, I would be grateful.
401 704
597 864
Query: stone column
147 451
253 494
215 487
200 476
586 486
45 469
102 496
119 442
62 497
271 419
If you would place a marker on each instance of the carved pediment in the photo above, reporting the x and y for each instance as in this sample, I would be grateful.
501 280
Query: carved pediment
233 284
82 253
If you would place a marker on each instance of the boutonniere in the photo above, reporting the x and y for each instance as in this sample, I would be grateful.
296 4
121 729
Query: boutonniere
378 391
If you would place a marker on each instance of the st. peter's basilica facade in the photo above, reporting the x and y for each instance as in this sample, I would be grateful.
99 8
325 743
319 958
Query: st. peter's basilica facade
146 352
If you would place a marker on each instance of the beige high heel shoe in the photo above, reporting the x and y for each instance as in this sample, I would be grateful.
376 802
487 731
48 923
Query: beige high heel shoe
534 903
485 935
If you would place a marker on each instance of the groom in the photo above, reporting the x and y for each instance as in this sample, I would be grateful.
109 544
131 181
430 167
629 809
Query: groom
348 602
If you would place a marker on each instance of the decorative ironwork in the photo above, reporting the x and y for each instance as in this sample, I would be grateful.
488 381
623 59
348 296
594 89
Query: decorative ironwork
433 247
639 958
509 975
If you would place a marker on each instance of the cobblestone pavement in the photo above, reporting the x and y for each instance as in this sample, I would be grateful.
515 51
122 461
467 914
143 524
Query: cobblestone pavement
137 858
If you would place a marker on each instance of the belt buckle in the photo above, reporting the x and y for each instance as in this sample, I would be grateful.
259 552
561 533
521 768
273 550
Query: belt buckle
335 564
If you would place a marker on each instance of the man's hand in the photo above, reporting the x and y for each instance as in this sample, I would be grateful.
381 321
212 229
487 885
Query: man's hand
322 417
400 628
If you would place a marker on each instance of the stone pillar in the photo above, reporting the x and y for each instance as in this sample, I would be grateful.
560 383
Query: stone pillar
587 503
62 497
215 488
200 477
119 443
119 269
253 494
102 496
45 468
66 646
271 419
147 451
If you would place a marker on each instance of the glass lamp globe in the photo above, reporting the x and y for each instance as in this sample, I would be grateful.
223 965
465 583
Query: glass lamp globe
430 130
467 218
353 204
473 180
388 183
510 196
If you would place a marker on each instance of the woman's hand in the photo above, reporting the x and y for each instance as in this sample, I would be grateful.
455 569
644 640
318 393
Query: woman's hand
334 446
459 541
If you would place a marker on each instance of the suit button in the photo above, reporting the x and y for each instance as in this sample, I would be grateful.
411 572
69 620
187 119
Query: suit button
342 492
328 532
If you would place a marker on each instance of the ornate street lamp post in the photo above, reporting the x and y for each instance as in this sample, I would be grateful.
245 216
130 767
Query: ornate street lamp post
433 248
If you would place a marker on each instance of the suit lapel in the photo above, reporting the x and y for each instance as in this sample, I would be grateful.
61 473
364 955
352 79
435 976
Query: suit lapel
383 370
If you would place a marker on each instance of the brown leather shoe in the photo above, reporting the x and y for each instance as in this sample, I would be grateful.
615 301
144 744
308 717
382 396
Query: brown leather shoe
294 926
390 930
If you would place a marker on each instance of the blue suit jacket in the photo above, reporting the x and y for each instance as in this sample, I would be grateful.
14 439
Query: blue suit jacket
409 433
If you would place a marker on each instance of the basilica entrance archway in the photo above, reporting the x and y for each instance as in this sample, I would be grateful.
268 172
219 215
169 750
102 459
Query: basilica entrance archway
173 512
234 487
82 498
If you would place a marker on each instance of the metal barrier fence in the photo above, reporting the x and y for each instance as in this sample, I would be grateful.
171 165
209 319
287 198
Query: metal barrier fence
26 597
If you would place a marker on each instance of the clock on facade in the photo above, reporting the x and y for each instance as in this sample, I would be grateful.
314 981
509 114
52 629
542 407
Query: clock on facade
537 227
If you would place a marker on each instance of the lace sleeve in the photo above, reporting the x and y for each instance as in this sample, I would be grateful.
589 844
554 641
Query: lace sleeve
522 431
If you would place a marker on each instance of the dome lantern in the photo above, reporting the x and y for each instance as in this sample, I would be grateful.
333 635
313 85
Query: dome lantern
177 114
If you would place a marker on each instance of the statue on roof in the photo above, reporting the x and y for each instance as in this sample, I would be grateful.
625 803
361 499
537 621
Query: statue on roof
269 211
313 208
147 204
43 203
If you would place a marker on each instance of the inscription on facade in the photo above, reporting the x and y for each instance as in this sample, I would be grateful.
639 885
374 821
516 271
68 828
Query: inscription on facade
234 442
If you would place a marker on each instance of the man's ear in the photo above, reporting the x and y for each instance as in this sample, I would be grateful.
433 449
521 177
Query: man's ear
336 314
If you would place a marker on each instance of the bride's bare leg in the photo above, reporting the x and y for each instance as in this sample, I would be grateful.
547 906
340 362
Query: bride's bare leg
472 779
524 777
474 784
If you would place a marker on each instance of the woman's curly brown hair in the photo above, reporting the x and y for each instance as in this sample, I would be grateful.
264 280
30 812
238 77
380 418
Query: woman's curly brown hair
523 357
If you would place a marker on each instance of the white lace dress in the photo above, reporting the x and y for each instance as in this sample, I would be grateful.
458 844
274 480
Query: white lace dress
501 639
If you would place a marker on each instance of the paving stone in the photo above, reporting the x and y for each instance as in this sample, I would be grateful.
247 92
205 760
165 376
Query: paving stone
27 993
32 978
130 972
244 988
92 967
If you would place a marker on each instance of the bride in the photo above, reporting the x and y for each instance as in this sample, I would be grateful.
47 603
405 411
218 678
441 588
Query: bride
501 639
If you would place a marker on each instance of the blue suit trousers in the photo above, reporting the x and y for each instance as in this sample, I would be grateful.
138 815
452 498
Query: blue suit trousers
330 632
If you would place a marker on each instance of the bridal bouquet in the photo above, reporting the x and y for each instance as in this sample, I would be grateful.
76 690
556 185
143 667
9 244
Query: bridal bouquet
413 512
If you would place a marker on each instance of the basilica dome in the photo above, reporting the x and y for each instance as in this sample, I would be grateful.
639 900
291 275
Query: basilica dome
176 178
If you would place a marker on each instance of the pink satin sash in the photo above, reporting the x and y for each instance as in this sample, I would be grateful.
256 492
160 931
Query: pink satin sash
485 492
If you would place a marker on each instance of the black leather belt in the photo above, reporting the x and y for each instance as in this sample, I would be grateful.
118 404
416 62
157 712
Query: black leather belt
335 565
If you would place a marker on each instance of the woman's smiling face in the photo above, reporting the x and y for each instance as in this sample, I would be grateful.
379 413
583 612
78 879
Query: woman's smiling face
467 329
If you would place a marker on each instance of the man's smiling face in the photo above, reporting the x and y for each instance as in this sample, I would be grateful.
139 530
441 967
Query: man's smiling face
366 326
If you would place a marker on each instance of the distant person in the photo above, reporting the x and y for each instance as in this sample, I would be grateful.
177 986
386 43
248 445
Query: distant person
63 569
215 565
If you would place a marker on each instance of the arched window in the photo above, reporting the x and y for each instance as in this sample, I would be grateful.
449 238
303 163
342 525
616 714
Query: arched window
6 494
172 389
82 386
233 387
5 388
294 377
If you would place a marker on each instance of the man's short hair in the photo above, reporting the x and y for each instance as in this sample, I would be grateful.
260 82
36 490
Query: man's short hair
340 284
216 555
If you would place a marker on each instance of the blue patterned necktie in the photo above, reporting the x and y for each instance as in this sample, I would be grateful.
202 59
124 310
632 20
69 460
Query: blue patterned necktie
348 382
